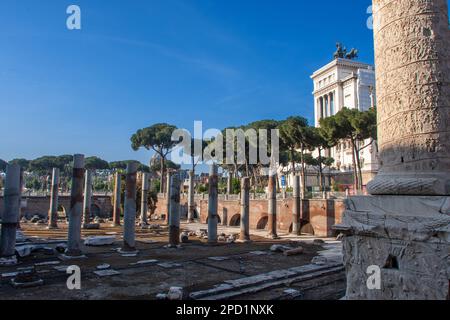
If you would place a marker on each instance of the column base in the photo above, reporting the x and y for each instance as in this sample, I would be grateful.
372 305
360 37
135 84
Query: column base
403 241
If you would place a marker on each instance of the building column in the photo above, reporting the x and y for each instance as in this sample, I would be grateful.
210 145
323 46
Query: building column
245 210
191 197
174 208
87 199
53 211
12 194
329 104
144 199
213 205
76 207
272 207
129 225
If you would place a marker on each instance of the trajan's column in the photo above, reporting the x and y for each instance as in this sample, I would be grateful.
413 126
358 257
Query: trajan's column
397 243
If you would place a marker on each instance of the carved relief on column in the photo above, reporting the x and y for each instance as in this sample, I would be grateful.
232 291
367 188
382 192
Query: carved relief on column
412 55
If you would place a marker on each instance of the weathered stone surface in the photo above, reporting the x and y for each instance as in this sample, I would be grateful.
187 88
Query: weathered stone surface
412 42
408 238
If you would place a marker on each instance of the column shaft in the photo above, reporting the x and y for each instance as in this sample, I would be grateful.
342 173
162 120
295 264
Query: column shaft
53 211
117 199
272 207
87 198
213 205
76 207
174 208
191 193
144 198
12 193
245 210
129 242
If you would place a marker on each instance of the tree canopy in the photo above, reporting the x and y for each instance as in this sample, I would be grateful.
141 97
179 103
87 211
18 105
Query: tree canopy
3 165
95 163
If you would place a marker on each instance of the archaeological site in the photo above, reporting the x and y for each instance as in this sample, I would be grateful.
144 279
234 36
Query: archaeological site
355 206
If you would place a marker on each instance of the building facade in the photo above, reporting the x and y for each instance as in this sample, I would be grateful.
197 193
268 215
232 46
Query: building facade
351 84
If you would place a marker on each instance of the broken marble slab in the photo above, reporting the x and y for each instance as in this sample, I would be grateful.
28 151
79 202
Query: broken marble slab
99 241
61 268
104 266
169 265
47 263
107 273
9 274
218 258
144 262
259 253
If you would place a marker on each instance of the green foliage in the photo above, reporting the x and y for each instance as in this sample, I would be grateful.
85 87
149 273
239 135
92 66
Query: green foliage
95 163
3 165
34 183
122 165
157 137
156 167
23 163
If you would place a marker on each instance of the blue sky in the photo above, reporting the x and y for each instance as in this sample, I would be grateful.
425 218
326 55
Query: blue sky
140 62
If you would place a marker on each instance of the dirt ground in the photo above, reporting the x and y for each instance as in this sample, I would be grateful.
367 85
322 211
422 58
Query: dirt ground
195 270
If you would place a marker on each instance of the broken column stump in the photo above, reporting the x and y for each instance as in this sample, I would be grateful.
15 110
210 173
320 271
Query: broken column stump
76 208
245 210
213 205
129 241
12 193
174 209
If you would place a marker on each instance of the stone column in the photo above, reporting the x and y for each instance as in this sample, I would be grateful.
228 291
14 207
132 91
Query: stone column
272 207
117 199
403 229
168 177
229 183
213 204
76 207
12 192
296 207
87 199
144 199
245 210
129 243
191 200
53 211
412 56
174 209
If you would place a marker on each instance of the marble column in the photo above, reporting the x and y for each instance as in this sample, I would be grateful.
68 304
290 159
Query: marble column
213 204
129 225
12 193
144 199
272 207
76 207
87 199
401 232
245 210
296 207
174 208
191 197
53 211
117 199
168 179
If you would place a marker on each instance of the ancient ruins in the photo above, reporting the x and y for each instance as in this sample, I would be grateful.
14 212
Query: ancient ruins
392 243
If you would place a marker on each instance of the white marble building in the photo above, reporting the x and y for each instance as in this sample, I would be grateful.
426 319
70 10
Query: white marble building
346 83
